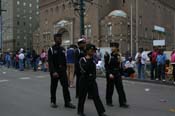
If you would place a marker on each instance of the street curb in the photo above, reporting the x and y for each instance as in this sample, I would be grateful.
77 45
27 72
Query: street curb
147 81
151 81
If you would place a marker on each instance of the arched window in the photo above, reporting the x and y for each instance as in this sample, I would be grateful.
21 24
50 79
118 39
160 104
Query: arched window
109 29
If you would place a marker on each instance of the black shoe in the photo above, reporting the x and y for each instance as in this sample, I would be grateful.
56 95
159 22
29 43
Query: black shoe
81 114
110 104
53 105
124 106
103 114
70 105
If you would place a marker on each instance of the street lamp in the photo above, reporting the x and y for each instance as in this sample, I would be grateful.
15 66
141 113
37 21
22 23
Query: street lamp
79 6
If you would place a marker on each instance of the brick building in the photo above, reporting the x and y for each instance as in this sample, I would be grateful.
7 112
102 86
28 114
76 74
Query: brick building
110 20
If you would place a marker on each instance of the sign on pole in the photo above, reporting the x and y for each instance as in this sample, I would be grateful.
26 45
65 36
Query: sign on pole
158 42
159 28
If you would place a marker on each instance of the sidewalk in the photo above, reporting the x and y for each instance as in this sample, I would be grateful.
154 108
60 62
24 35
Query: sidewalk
147 80
169 83
101 73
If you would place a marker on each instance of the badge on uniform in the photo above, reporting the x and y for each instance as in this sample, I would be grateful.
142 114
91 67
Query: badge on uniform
55 52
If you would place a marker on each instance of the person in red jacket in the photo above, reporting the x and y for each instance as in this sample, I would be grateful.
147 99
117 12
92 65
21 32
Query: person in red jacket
153 56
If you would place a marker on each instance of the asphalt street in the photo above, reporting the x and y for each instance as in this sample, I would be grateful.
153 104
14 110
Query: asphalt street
27 94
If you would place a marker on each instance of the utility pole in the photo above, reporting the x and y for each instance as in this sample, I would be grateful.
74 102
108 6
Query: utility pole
137 26
131 6
79 6
1 26
82 10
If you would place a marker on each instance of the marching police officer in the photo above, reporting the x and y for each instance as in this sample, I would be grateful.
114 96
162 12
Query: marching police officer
88 82
114 70
79 53
57 68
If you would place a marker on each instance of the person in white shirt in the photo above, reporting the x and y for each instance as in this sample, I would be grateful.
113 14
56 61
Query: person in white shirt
141 58
21 61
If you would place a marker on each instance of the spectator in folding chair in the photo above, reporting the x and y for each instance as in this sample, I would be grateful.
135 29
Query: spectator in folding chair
129 68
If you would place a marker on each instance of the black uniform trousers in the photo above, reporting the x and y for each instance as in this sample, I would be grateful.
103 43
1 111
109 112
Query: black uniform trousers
77 83
78 75
86 86
64 84
117 82
174 71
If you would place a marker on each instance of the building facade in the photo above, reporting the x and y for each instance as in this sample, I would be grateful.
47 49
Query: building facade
20 20
7 24
132 23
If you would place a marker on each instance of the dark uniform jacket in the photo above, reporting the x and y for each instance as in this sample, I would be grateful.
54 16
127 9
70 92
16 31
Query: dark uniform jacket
79 53
114 66
88 69
106 61
57 59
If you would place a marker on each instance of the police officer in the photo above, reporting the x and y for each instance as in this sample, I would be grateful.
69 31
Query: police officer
57 68
80 52
114 70
88 82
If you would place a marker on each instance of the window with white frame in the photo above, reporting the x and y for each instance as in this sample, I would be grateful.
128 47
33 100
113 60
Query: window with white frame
88 30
